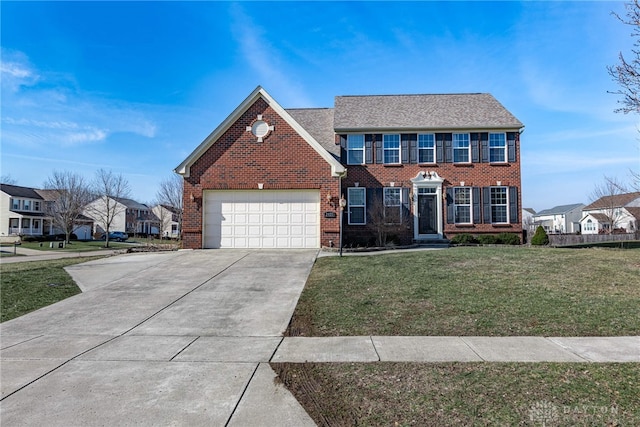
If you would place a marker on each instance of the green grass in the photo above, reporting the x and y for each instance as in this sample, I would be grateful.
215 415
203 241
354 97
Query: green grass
28 286
466 394
474 291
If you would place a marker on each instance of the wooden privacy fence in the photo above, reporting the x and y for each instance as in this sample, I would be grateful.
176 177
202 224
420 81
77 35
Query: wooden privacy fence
578 239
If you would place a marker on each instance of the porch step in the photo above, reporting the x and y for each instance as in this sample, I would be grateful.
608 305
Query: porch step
432 243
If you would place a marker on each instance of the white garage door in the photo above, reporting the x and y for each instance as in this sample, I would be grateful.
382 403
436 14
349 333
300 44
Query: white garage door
262 219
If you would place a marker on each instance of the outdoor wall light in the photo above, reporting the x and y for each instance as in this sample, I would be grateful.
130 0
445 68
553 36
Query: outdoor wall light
191 198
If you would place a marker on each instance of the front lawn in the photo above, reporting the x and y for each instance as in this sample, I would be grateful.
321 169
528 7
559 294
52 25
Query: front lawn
467 291
28 286
466 394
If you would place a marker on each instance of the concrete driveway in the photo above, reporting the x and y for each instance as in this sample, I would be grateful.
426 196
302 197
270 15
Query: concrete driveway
180 338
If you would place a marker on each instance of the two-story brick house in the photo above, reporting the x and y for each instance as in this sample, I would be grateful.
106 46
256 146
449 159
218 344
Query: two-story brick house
437 165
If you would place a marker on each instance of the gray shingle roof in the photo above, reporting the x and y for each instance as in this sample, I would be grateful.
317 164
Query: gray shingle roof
446 111
319 123
17 191
558 210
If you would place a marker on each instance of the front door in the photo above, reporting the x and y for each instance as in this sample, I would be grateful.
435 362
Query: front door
427 214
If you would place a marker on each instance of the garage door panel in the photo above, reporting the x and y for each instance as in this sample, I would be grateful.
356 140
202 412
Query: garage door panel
262 219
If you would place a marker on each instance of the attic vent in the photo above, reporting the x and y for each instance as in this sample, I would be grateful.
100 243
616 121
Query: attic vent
259 128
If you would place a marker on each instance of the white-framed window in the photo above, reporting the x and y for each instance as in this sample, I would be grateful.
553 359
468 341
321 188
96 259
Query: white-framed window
36 206
36 224
355 149
426 148
26 223
589 225
15 204
391 149
462 205
461 148
357 205
27 205
392 205
499 205
497 147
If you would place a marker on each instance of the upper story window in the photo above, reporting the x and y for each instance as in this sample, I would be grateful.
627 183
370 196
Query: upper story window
15 204
355 149
357 204
461 148
499 205
26 205
426 148
391 149
462 205
36 206
392 205
497 148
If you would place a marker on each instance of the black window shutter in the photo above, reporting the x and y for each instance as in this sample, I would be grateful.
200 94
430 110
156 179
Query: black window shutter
484 148
448 148
378 149
413 148
511 146
475 194
404 148
439 148
486 205
368 149
475 142
450 212
513 204
343 149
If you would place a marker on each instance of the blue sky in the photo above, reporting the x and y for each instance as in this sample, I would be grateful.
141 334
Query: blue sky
135 87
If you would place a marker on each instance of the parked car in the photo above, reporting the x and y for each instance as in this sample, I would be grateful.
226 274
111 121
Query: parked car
117 236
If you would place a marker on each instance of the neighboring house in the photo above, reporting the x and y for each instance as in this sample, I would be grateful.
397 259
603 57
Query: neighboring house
436 165
23 212
168 217
82 226
612 213
528 223
560 219
131 217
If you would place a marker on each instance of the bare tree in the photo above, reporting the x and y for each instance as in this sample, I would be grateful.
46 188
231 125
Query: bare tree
604 198
627 72
170 194
386 221
65 197
107 189
8 179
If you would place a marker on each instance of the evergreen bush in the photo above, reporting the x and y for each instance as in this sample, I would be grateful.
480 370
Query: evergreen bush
540 238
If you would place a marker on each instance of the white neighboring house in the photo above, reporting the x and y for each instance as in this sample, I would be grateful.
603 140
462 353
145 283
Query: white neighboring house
130 216
168 217
560 219
23 212
610 213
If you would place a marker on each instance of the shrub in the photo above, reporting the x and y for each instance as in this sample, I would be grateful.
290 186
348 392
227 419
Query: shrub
29 238
508 239
463 239
540 238
488 239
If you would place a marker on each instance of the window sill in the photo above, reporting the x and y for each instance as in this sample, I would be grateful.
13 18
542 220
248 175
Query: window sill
427 164
500 164
502 225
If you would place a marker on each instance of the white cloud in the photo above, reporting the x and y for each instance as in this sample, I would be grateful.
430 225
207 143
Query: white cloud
265 59
47 109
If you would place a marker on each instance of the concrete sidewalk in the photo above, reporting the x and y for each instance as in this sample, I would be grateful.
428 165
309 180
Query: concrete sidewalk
458 349
27 255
